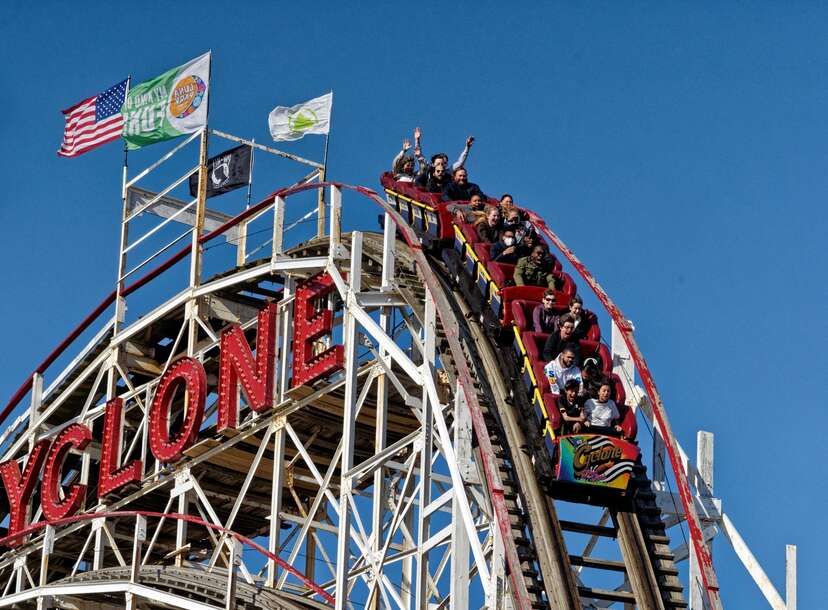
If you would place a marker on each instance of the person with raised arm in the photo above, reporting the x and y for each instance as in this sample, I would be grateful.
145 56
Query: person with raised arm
461 160
403 164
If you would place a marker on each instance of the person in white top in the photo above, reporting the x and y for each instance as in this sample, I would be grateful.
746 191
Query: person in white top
562 369
601 413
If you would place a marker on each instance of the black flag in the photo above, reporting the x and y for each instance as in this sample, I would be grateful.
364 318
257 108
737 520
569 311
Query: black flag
225 172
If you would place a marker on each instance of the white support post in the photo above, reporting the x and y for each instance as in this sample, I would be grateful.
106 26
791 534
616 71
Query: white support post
286 337
182 490
34 408
234 562
278 228
497 578
459 588
380 433
704 488
343 554
137 548
790 577
422 592
276 497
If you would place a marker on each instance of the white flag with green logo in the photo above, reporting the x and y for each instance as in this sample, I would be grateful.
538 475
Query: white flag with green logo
168 105
294 122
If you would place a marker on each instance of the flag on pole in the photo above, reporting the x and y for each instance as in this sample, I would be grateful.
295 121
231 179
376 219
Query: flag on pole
94 121
225 172
169 105
295 122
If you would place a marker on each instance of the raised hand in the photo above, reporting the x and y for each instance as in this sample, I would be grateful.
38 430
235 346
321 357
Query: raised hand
417 134
469 141
406 144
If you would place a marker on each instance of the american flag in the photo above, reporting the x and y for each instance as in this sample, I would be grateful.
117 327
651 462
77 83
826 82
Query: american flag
94 121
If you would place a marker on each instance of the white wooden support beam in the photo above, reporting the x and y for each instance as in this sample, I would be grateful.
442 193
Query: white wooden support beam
426 444
343 554
790 577
278 481
336 249
232 577
286 338
704 491
137 548
460 549
34 407
278 228
754 569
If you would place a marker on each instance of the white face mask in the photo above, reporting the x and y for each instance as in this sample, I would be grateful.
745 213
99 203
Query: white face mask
509 241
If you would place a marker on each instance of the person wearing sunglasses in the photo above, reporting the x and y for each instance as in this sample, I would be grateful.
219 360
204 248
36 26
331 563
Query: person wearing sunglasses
544 316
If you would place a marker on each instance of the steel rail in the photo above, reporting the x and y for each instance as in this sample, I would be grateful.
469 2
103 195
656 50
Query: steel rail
711 585
7 540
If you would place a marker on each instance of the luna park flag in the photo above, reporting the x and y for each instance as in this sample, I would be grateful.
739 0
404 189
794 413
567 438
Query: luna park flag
168 105
294 122
225 172
94 121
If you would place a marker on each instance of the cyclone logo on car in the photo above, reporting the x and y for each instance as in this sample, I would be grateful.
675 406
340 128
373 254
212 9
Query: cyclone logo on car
186 96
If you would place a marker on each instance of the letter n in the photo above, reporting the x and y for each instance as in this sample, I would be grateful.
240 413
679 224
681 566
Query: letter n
111 477
19 488
309 326
57 505
190 374
238 368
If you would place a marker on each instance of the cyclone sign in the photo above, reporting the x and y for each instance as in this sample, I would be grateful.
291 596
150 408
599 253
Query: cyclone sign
596 459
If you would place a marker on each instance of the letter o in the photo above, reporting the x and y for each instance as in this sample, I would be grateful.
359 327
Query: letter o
189 373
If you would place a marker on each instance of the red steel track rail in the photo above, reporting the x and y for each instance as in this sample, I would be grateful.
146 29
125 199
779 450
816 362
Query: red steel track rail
708 574
176 517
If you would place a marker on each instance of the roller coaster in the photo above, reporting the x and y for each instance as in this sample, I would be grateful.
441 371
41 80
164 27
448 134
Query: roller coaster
348 419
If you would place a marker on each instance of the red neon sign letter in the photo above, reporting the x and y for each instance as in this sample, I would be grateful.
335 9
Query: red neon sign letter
237 367
189 373
19 488
78 436
110 476
310 325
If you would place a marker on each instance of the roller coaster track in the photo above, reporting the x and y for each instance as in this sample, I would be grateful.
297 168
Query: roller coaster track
540 569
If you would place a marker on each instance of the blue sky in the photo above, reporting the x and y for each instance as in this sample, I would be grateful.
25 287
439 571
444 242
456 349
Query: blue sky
678 148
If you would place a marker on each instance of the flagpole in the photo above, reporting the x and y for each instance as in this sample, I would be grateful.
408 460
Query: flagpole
250 175
120 308
321 215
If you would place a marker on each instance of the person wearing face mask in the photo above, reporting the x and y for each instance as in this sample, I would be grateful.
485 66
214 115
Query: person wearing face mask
505 251
522 228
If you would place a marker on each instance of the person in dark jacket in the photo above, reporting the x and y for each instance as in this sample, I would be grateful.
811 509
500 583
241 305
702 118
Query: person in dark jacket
505 251
488 230
591 377
555 342
571 406
544 318
460 189
436 178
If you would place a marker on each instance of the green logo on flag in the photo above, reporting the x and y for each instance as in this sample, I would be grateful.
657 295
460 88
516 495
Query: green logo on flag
302 120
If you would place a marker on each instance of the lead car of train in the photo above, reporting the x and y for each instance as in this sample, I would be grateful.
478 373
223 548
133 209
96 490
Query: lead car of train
603 463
